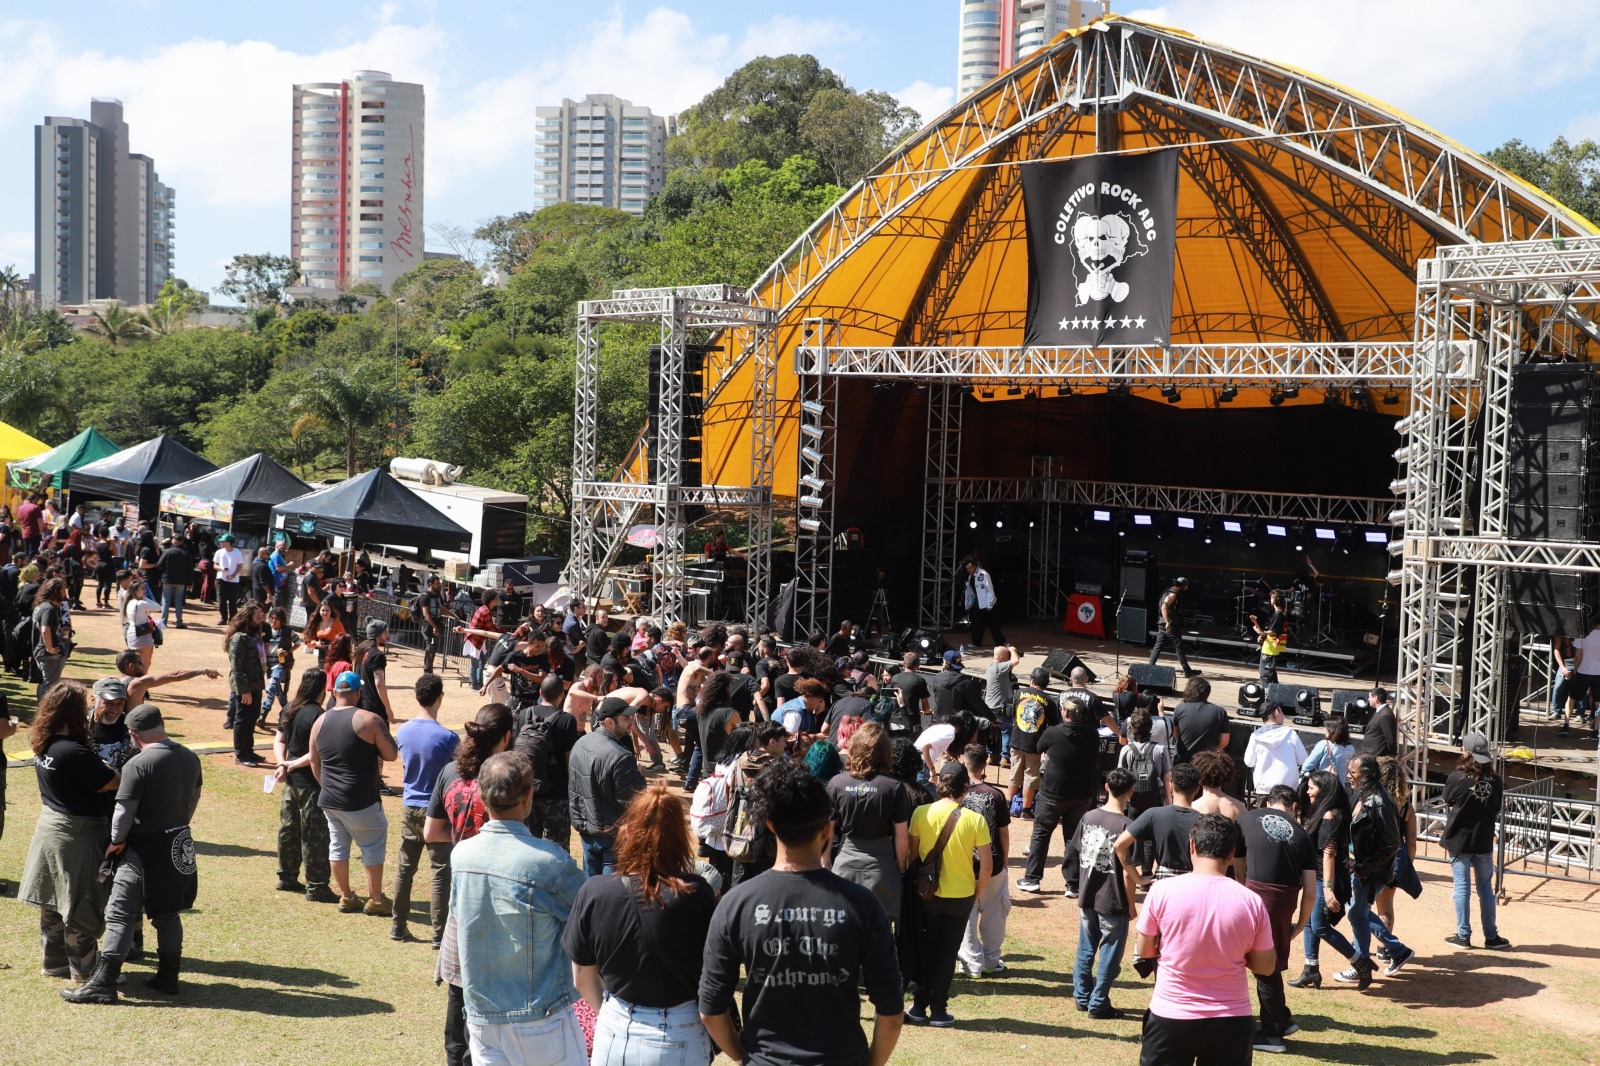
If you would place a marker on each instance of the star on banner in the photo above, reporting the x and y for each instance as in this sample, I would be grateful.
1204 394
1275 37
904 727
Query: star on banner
1138 323
1063 323
1126 322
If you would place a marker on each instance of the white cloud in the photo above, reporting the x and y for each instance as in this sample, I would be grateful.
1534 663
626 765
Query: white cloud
930 101
16 249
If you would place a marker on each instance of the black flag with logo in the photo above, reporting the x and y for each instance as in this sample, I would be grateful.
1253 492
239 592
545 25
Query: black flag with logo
1101 249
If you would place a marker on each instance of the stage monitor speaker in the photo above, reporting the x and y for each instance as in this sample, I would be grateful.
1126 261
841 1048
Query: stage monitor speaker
1251 697
1161 680
1352 703
1296 700
928 643
1133 625
1061 663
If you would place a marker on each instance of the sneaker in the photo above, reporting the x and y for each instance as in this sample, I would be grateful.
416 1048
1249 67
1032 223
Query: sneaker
1291 1029
1382 954
1350 976
1271 1044
320 894
916 1015
1027 886
971 969
1563 732
999 966
1398 962
1082 1006
1107 1013
399 931
350 904
1497 943
942 1021
1458 940
1005 764
251 760
1072 893
379 907
290 885
1027 814
656 767
1190 673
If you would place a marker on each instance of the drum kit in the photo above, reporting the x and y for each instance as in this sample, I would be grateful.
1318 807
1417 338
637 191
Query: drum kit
1309 607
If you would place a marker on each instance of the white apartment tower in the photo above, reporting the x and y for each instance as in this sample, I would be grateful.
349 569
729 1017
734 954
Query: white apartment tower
104 223
355 197
995 34
602 151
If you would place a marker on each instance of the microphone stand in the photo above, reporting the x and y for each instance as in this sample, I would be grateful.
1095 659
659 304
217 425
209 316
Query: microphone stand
1116 671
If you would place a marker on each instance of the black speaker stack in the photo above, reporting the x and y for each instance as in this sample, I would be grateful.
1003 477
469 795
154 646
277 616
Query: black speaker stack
693 431
1161 680
1551 491
1139 596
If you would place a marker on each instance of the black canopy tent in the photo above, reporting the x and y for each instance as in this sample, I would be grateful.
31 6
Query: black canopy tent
372 509
239 497
137 475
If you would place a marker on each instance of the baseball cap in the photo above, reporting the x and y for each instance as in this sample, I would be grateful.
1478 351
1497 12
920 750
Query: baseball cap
227 537
1041 677
1477 746
376 626
952 657
111 688
860 658
348 681
955 774
612 707
145 717
1181 582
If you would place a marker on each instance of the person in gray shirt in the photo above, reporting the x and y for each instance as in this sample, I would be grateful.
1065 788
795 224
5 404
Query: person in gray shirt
154 856
1000 696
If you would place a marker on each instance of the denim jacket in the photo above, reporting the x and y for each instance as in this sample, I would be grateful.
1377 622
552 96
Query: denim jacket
510 895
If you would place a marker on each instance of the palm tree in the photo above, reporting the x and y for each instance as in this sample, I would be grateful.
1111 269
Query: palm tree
11 285
117 324
344 402
166 316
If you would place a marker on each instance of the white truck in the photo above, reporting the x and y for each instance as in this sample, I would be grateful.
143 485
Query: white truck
497 520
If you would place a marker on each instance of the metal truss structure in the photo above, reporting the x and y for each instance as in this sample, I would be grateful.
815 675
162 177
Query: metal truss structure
1043 487
604 510
814 528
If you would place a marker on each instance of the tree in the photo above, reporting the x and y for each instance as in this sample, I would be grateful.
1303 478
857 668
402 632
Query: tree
116 324
464 242
29 391
1568 172
849 132
259 280
754 114
345 402
172 307
12 285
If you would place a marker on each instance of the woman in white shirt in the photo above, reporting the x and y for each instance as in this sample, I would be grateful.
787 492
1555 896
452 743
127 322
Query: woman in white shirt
141 620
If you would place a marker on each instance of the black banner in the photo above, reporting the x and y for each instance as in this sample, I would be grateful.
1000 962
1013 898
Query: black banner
1101 249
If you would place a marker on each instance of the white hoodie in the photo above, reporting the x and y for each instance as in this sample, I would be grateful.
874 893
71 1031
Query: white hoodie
1276 754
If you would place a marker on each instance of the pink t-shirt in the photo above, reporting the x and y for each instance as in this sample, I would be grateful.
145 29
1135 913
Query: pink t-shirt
1207 927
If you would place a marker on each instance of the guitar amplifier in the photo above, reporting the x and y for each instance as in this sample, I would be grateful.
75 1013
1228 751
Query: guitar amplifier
1161 680
1133 625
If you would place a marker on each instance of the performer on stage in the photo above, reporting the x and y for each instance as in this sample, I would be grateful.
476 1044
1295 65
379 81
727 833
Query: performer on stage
980 603
154 853
1167 627
1274 637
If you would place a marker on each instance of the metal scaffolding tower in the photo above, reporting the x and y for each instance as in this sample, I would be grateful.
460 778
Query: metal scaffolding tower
603 511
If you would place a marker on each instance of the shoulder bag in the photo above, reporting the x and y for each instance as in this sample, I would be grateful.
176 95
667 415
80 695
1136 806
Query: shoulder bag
926 880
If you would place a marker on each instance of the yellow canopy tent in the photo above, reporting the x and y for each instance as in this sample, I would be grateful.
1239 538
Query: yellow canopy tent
14 445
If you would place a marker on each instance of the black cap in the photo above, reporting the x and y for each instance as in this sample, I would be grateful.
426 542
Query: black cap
955 774
612 706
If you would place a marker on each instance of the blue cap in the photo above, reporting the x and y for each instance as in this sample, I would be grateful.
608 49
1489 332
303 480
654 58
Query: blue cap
348 681
952 657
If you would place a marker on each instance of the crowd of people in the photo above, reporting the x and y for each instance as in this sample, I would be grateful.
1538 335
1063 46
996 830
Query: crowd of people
847 832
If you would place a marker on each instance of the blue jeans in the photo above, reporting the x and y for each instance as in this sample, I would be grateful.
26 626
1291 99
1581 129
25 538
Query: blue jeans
680 718
475 672
1464 869
1318 929
1105 935
1365 924
626 1035
172 599
277 679
599 855
1003 724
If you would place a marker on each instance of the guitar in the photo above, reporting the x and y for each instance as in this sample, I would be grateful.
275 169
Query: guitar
1271 643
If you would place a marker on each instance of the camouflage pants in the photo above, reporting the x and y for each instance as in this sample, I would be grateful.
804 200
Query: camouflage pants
302 829
555 819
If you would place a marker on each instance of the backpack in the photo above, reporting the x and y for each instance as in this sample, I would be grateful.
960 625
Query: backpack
536 740
708 813
742 837
1030 714
1142 763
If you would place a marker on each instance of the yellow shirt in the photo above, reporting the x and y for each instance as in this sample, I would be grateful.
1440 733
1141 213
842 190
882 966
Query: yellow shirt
956 876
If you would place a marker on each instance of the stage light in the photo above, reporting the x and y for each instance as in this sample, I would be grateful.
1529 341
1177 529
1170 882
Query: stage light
1400 486
1374 536
1359 395
1171 394
1142 520
812 482
1277 531
1394 577
812 456
814 432
973 524
1276 399
1397 517
1229 526
1102 516
1397 547
1325 534
1064 390
1391 398
1117 388
985 394
1404 425
1185 523
1250 696
1402 454
810 525
1291 391
1229 393
1299 537
1331 398
813 408
1014 390
812 501
998 524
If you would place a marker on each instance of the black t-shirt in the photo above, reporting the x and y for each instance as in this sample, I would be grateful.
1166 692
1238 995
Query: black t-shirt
298 742
714 730
1382 733
1333 834
990 802
70 778
112 741
913 686
769 670
840 645
867 809
1275 849
1035 711
1199 727
809 943
845 707
311 591
1127 702
376 660
434 605
525 689
599 643
1093 848
951 691
742 695
1071 768
177 566
1168 829
604 930
784 685
1474 806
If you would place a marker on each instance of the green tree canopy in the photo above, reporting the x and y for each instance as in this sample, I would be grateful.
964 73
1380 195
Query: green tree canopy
259 280
754 114
1568 172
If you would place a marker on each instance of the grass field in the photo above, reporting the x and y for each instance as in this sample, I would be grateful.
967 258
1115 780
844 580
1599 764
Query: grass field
273 979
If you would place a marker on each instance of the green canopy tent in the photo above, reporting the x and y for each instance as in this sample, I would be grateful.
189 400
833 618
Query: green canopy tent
53 469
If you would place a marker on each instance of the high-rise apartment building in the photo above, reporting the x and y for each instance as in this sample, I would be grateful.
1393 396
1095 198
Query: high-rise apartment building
995 34
602 151
356 183
104 224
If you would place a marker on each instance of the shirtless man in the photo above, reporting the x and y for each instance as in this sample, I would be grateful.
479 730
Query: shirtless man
644 701
704 664
1217 772
584 694
140 681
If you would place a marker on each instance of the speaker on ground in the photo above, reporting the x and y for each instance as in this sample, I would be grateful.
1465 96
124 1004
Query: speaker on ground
1061 663
1158 679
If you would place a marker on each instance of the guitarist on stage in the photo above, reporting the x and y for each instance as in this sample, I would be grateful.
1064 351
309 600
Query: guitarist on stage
1274 638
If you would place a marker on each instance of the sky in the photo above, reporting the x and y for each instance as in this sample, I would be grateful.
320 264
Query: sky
206 85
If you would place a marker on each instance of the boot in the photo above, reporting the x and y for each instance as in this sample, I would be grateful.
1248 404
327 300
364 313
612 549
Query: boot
168 965
1310 977
101 987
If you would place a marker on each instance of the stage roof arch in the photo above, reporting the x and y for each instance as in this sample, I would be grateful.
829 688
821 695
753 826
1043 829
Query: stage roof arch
1303 210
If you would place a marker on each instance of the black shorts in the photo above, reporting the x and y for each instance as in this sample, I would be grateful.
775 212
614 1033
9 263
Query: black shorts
1197 1042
